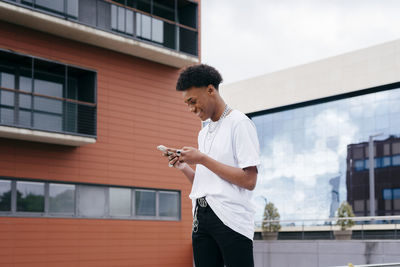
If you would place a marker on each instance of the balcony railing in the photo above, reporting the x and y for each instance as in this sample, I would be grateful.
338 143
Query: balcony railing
126 21
46 113
378 227
373 265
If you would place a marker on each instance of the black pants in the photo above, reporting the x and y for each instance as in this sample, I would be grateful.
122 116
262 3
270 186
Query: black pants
216 245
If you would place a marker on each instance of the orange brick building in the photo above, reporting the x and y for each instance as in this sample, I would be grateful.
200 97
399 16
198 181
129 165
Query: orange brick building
87 93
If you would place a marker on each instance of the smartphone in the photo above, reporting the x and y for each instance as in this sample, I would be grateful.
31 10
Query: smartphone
164 149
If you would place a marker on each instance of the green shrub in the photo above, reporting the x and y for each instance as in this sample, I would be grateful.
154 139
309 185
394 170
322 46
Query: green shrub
345 210
270 213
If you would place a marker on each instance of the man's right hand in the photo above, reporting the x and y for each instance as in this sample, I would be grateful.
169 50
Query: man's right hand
173 159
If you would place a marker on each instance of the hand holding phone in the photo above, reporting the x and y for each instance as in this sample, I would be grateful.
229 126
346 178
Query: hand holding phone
164 149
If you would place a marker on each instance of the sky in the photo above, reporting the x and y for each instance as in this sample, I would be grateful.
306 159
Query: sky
245 39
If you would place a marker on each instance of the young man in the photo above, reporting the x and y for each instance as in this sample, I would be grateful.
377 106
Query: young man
226 173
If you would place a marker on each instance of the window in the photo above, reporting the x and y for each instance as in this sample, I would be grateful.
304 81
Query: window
378 162
170 23
30 196
164 9
386 161
122 19
169 204
45 95
387 194
91 201
359 165
61 7
396 160
396 193
396 199
5 195
56 199
396 148
359 205
388 205
386 149
62 198
145 203
358 153
120 201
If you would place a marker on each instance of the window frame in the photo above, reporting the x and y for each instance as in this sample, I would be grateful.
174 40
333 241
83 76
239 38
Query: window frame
47 213
37 74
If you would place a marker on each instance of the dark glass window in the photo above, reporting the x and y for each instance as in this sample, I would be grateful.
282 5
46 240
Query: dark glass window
46 95
62 198
169 204
30 196
145 203
7 98
144 5
5 195
164 9
187 13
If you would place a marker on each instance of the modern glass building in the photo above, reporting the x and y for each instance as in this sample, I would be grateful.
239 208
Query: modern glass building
311 118
304 149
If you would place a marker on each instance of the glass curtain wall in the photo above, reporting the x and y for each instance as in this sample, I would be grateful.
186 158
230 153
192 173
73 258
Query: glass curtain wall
304 152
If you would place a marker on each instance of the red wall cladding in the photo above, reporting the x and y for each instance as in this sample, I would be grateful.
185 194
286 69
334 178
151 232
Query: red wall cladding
138 109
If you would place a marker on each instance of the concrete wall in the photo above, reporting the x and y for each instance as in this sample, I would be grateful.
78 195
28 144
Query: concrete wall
362 69
324 253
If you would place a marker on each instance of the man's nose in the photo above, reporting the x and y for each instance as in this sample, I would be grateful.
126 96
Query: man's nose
192 109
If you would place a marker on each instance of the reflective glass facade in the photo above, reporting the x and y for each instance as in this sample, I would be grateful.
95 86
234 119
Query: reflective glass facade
304 150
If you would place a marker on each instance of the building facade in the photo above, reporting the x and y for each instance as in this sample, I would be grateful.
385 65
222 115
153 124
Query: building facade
387 173
87 92
308 116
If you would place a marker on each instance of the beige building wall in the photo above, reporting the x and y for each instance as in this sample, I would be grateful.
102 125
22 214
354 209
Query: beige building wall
361 69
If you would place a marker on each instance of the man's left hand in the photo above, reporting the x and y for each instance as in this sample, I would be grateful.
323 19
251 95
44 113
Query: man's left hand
191 155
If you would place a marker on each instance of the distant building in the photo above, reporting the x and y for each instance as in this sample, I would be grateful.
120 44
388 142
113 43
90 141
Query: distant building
387 177
87 93
335 201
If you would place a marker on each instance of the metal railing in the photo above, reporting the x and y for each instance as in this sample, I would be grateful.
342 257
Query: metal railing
47 113
377 227
372 265
118 19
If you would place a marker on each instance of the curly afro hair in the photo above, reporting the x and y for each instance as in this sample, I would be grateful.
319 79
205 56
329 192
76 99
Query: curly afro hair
198 76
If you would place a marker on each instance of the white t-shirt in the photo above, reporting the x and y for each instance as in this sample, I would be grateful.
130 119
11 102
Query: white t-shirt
234 143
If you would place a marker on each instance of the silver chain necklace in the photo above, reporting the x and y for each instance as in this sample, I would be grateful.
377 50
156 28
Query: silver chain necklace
213 126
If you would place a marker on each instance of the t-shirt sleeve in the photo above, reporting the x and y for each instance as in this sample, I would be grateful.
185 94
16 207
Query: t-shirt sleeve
245 144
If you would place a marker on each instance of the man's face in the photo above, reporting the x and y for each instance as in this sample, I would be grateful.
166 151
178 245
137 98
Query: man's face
199 101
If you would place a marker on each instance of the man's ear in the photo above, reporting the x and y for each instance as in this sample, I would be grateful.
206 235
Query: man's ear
211 89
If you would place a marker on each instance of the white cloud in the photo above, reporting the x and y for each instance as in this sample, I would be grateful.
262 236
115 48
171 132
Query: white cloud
245 39
298 182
